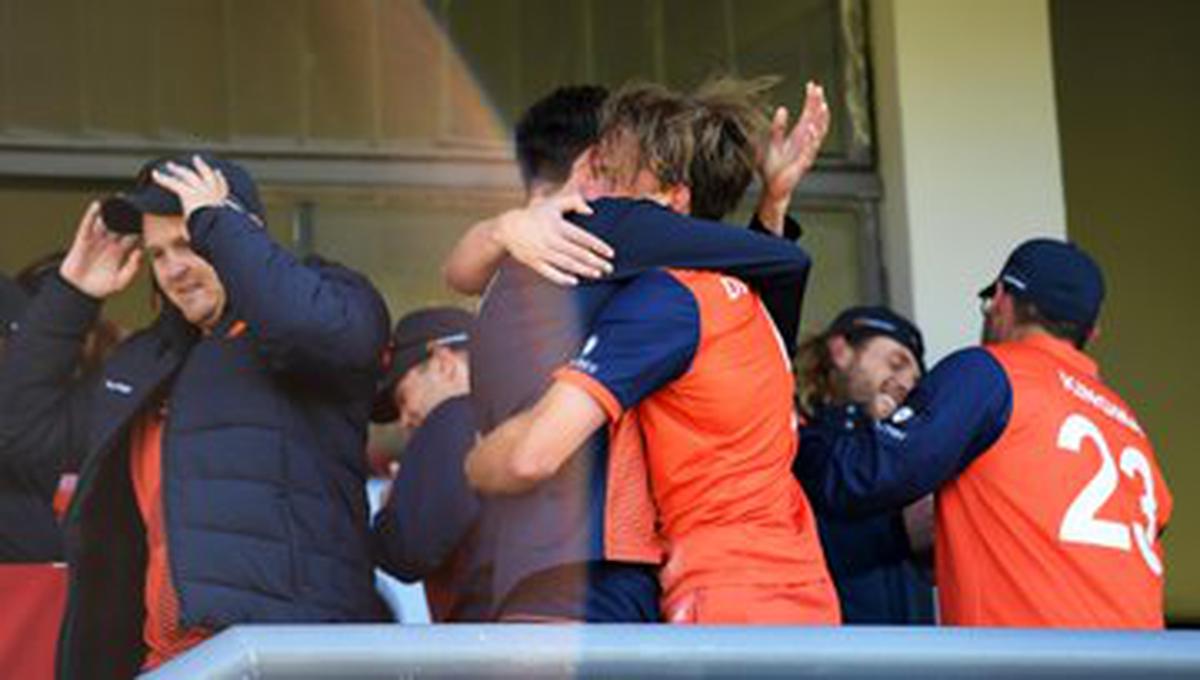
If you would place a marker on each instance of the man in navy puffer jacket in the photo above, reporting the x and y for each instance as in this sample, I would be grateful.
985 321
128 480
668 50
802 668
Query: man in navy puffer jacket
223 474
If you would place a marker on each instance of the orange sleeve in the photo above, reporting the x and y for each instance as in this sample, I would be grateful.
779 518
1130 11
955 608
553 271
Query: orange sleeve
594 388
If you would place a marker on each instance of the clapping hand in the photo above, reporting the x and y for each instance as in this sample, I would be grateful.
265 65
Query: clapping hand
789 155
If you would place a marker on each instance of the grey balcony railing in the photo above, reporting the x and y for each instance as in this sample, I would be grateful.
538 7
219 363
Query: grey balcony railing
659 651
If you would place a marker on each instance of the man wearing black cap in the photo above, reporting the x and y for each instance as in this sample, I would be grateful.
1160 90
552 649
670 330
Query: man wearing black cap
1050 502
868 360
428 529
223 474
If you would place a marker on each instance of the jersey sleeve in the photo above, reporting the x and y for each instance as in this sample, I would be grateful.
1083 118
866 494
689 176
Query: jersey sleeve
647 236
644 338
853 466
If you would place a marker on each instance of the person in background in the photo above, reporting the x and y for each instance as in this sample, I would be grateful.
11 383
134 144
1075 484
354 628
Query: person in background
868 360
1050 502
707 370
428 530
29 530
223 469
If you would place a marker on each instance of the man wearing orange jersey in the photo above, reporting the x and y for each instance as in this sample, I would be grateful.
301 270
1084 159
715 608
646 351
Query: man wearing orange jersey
697 359
1050 502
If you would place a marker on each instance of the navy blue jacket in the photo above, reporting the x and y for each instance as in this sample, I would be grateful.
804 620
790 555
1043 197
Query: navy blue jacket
853 466
429 528
527 328
29 531
878 578
263 450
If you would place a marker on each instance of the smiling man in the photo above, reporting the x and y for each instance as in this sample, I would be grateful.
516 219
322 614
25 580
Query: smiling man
1050 500
867 362
223 468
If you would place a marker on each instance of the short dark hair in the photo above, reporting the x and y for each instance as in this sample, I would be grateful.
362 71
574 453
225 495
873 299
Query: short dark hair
1026 312
553 132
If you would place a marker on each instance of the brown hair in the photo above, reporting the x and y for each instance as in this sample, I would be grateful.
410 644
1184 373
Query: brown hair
659 123
814 373
1027 313
730 125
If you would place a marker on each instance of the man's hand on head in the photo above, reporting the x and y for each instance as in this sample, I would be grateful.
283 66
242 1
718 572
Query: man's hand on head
197 187
788 156
539 237
100 262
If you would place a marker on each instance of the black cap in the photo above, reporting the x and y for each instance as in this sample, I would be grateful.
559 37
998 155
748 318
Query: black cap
862 322
123 212
413 340
1060 278
13 302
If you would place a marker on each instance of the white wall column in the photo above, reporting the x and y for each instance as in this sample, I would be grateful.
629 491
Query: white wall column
968 149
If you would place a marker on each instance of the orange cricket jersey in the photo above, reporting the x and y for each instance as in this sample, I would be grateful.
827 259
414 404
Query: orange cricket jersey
1058 523
698 356
165 638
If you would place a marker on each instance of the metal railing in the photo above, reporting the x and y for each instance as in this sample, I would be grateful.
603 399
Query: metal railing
659 651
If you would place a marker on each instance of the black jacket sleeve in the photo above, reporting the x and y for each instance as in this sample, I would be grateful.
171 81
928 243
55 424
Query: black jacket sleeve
43 404
324 321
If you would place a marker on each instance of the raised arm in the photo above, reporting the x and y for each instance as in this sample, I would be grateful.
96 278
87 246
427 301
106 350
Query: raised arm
850 465
537 236
43 404
324 320
788 156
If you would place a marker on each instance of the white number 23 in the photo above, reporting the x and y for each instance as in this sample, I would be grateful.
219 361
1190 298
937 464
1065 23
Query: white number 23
1080 524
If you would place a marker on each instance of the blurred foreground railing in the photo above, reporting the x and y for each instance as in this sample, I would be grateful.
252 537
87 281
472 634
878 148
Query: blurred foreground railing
632 651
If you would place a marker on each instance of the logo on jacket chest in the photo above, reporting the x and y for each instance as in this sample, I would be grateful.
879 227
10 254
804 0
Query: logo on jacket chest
118 387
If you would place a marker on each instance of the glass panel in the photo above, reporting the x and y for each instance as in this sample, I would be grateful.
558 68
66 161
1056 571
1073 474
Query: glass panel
832 236
268 69
624 39
399 238
118 81
41 39
341 81
336 77
189 72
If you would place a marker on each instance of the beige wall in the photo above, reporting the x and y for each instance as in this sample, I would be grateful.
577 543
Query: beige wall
975 102
1128 106
968 150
